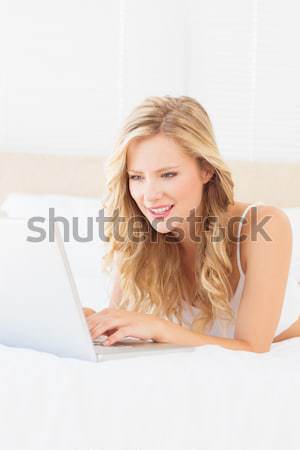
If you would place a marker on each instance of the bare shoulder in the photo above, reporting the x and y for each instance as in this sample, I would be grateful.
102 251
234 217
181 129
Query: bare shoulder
258 213
265 218
264 225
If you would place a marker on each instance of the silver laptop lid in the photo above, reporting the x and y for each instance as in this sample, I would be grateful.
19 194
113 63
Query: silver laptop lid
40 306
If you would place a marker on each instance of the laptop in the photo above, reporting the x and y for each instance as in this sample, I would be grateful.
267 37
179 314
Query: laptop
40 303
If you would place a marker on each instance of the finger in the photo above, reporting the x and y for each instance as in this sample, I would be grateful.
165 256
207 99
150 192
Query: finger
118 336
106 334
104 327
110 332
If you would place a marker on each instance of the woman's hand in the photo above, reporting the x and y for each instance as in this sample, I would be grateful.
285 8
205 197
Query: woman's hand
89 312
118 324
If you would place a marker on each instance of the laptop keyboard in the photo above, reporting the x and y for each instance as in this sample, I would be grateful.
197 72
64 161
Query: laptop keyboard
124 343
119 344
99 340
98 343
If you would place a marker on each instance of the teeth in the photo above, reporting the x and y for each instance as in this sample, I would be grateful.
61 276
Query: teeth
159 210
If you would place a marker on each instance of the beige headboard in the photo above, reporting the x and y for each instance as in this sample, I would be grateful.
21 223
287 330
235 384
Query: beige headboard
275 184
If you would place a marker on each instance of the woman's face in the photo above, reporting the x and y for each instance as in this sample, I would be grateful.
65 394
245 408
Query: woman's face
160 175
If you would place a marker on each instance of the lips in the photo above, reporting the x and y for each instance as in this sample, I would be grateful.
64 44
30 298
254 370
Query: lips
161 214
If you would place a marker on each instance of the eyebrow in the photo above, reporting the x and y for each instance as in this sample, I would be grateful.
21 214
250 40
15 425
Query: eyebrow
156 171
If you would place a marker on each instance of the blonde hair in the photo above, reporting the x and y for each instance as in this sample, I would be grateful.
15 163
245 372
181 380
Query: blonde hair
151 275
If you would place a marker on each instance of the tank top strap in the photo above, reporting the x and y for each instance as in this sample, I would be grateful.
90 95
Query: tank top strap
238 257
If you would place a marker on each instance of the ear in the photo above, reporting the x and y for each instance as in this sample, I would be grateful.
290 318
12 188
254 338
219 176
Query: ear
206 175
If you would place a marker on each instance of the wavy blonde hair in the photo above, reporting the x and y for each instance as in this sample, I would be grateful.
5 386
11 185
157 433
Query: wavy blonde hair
152 278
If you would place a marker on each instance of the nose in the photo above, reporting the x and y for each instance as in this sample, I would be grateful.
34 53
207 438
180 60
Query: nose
152 193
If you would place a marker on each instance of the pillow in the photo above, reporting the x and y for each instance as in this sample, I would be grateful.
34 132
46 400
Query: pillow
294 216
84 257
28 205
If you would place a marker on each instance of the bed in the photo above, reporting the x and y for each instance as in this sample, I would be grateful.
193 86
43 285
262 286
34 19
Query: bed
212 398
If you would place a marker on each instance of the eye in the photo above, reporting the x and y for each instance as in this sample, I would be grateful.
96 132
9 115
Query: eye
170 173
165 175
132 177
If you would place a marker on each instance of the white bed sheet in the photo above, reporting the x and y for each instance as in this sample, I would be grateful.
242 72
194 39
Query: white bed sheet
212 399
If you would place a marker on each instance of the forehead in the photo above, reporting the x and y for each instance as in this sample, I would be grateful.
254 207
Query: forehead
154 152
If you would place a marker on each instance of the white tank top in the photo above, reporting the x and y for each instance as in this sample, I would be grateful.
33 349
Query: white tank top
290 310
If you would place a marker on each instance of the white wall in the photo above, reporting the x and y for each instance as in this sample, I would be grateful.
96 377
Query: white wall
72 70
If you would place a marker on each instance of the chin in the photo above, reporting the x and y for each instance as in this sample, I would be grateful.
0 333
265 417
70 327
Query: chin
163 229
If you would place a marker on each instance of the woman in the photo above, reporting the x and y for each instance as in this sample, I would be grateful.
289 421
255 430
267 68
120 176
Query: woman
183 276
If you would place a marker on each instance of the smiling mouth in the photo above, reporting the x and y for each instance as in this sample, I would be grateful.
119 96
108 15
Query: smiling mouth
161 213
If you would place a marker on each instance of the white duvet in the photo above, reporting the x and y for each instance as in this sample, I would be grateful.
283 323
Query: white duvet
212 398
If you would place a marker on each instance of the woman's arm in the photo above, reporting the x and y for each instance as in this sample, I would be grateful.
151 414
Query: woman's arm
118 324
268 256
178 335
